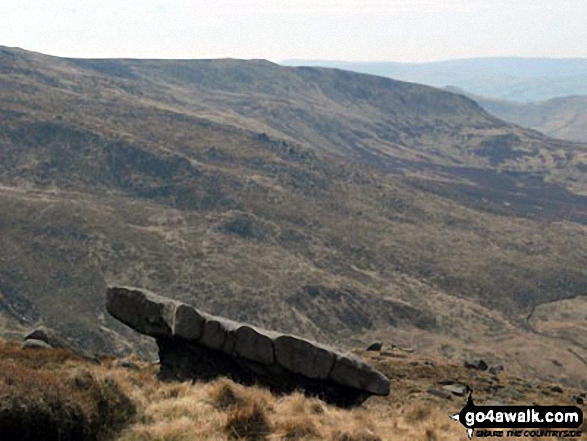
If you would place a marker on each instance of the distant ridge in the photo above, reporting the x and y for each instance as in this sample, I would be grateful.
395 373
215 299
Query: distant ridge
509 78
563 117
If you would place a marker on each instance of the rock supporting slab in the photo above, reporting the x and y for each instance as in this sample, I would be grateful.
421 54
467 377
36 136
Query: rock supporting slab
43 337
195 345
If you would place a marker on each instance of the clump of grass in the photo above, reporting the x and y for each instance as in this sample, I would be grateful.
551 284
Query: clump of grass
315 407
417 414
249 423
224 396
298 429
358 435
431 435
42 405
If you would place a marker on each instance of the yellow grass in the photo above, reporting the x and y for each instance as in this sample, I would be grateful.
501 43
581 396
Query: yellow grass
202 411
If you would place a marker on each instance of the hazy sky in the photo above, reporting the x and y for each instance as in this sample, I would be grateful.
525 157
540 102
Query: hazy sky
365 30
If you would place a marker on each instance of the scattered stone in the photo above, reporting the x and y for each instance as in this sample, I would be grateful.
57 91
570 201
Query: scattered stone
440 393
493 403
482 366
33 343
127 364
579 399
195 345
456 389
557 389
479 365
393 354
510 394
408 350
496 369
375 346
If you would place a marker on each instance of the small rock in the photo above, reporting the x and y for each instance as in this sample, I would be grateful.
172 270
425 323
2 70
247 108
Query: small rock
409 350
579 400
557 389
445 382
510 393
496 369
440 393
33 343
375 346
493 403
127 364
479 365
456 389
482 366
393 354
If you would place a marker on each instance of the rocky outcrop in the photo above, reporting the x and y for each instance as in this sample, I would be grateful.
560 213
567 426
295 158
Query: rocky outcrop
195 345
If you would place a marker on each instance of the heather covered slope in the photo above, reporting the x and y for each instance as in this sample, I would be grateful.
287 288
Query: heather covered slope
334 205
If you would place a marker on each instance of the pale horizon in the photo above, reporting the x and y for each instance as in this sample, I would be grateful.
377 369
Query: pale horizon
414 31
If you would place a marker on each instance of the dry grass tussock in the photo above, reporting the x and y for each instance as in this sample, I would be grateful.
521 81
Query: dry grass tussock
57 398
223 410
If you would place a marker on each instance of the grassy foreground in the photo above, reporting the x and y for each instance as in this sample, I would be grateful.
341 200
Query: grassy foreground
52 395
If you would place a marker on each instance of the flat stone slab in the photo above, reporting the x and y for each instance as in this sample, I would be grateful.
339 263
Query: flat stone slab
242 351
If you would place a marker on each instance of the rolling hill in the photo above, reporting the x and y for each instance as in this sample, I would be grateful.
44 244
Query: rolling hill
337 205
